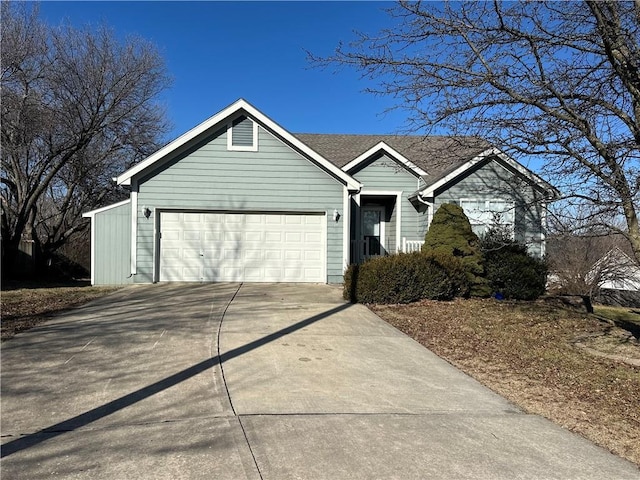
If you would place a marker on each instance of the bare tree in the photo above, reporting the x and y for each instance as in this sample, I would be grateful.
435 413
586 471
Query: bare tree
583 264
555 79
78 106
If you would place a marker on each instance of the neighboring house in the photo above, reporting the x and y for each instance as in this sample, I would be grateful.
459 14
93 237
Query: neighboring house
601 267
239 198
616 271
618 279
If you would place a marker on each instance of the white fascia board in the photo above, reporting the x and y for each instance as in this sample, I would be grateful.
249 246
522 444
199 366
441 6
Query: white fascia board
92 213
221 118
350 182
392 152
532 177
524 171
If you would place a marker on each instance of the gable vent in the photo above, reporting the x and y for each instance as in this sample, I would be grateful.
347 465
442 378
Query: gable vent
242 132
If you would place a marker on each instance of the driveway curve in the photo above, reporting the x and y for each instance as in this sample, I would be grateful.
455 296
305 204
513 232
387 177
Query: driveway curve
255 381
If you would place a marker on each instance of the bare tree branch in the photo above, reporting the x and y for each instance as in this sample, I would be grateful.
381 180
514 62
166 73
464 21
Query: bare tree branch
555 79
77 107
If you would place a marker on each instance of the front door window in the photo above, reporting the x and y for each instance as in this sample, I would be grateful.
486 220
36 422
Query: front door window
372 218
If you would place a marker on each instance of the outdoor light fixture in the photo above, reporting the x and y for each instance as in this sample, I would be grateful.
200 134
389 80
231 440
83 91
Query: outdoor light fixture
146 211
336 215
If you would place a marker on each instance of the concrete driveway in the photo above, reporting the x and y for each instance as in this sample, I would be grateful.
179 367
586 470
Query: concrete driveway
258 381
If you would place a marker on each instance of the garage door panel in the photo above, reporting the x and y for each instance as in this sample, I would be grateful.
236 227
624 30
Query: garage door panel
273 219
253 236
312 255
312 237
234 219
273 237
293 255
212 236
273 255
171 235
253 254
242 247
293 237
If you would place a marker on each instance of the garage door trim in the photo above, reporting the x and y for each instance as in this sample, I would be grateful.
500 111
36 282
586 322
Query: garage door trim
157 254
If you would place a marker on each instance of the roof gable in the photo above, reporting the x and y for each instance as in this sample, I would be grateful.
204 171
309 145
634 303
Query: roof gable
432 154
392 153
220 120
435 183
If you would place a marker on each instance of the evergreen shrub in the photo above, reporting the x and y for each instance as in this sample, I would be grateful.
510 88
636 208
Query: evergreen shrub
400 278
450 234
456 271
509 268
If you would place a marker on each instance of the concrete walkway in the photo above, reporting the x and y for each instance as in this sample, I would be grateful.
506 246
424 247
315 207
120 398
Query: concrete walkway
232 381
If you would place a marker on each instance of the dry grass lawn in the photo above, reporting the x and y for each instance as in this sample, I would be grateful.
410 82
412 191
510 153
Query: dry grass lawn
571 368
24 308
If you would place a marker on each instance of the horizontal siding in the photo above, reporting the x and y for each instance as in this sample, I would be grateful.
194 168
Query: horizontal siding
210 177
386 174
112 246
494 181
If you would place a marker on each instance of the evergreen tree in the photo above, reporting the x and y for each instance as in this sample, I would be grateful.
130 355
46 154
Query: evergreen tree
450 234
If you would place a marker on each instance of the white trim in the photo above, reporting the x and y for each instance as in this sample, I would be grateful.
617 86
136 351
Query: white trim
219 119
398 220
325 235
92 213
346 227
238 148
392 152
93 250
532 177
364 191
385 193
155 271
134 228
158 227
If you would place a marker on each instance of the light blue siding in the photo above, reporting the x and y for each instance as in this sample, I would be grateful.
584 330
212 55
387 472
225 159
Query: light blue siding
209 177
112 246
385 174
493 180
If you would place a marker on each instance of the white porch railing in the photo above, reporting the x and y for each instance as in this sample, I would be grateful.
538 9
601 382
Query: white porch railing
361 249
409 246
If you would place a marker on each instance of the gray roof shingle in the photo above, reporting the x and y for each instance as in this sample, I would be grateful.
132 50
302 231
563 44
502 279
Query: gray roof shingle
437 155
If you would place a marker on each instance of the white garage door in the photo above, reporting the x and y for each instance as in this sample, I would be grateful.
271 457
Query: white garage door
242 247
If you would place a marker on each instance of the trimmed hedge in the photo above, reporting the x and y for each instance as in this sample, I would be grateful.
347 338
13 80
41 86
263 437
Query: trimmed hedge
401 278
509 268
515 274
456 270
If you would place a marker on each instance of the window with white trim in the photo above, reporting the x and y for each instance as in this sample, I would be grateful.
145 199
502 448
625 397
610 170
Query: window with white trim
242 134
483 214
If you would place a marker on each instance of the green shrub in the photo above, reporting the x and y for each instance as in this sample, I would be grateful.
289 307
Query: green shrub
456 272
511 270
400 278
350 282
450 233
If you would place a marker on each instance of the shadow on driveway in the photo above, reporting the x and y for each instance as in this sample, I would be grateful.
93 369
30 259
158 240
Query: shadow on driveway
132 398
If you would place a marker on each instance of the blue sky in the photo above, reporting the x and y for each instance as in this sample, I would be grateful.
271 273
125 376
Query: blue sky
217 52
